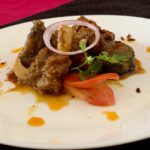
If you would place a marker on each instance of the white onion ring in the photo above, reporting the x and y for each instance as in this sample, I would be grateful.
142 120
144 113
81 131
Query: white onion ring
52 28
21 71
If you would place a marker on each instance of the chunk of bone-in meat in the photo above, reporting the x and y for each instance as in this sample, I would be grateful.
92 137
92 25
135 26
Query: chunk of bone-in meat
34 43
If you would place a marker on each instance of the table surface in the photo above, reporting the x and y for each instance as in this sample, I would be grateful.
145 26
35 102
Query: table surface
138 8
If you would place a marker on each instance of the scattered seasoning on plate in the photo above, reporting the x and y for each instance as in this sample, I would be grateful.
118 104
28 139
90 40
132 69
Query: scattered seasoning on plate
112 116
129 38
138 90
122 38
36 121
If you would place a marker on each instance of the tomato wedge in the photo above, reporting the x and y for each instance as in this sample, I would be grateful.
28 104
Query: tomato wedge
101 95
74 80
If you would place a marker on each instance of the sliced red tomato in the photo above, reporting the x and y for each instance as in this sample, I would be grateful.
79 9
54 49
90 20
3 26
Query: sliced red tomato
101 95
74 80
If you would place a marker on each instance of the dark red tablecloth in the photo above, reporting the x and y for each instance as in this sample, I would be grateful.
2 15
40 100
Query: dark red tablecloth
139 8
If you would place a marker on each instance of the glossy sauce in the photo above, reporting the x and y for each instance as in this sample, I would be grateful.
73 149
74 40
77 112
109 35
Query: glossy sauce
148 49
112 116
36 121
17 50
139 68
54 102
2 64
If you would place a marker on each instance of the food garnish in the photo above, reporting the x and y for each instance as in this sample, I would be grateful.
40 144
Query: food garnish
93 90
74 80
95 62
52 28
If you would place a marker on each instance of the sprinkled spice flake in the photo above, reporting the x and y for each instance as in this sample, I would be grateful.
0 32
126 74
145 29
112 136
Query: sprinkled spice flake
122 38
138 90
128 38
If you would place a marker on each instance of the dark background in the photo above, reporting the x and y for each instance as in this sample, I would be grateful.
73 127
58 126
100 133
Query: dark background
140 8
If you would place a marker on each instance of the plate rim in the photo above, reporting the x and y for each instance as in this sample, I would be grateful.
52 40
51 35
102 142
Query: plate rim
83 146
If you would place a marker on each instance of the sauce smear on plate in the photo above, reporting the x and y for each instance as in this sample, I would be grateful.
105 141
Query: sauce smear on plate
17 50
112 116
54 102
36 121
2 64
148 49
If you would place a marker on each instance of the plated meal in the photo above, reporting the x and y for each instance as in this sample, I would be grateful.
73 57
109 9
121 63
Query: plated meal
75 57
75 82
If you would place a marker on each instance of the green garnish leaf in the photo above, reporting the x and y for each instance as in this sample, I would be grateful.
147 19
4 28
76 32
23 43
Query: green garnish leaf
113 59
91 71
94 63
82 44
90 59
94 68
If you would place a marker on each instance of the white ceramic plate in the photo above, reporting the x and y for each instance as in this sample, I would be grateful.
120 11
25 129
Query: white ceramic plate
79 125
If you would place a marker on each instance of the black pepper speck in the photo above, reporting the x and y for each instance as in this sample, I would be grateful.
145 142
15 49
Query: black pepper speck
138 90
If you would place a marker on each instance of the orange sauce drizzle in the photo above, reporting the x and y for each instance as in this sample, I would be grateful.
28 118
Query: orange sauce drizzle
2 64
139 66
17 50
112 116
54 102
36 121
148 49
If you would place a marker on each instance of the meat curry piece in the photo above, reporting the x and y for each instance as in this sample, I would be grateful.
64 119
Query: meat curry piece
48 69
33 43
106 43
